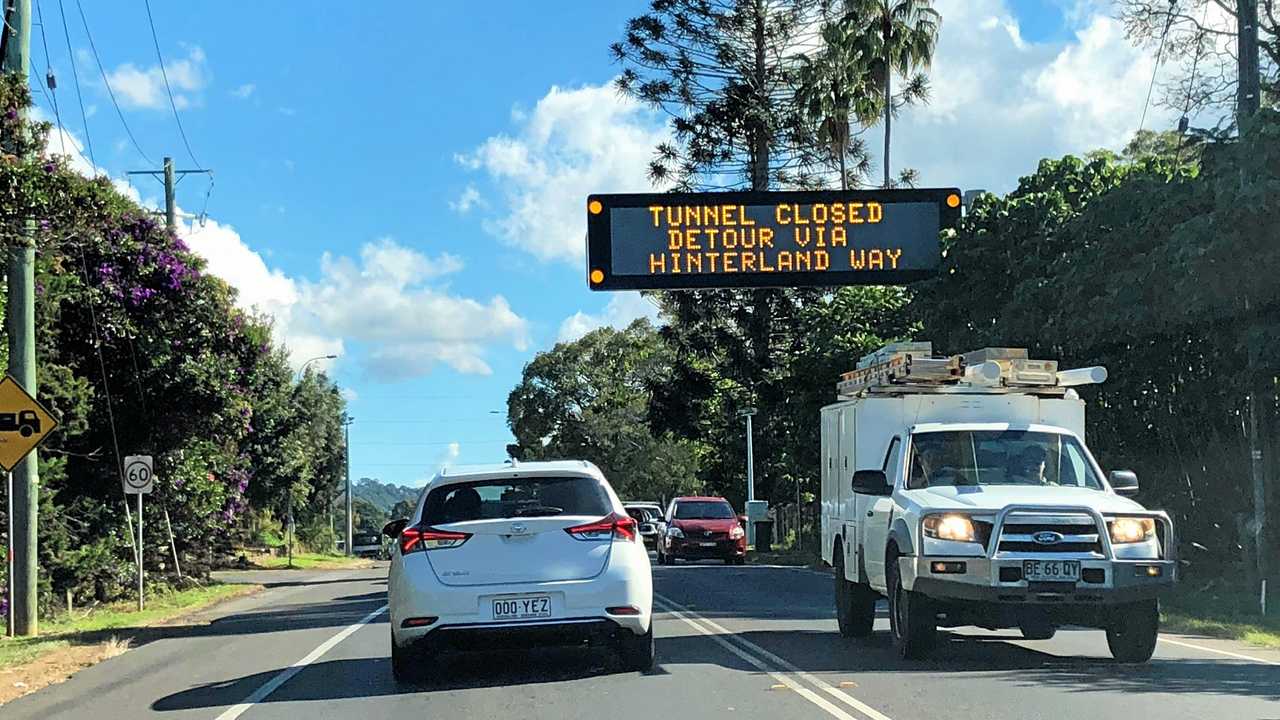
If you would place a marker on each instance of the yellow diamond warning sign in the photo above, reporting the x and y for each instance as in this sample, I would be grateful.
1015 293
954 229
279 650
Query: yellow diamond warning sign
24 423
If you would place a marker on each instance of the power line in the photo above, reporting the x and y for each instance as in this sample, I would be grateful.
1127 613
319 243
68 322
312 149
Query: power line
168 90
51 94
1163 37
84 118
129 131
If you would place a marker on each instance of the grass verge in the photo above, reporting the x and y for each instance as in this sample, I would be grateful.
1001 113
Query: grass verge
803 558
307 561
1230 615
87 626
70 643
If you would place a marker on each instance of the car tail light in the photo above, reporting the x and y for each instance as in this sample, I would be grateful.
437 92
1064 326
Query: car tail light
428 538
613 525
623 610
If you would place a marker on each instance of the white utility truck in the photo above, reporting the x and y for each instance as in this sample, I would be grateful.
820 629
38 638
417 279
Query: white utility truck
961 489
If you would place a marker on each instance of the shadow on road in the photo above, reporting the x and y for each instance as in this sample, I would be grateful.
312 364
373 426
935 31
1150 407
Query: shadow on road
371 677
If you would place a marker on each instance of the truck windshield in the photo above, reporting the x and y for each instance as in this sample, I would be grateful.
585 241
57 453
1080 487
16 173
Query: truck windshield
999 457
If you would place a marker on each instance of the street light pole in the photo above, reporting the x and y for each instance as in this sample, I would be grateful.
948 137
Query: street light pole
346 459
751 475
302 372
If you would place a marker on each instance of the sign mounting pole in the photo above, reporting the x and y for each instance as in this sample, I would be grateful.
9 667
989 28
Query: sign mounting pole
139 479
8 554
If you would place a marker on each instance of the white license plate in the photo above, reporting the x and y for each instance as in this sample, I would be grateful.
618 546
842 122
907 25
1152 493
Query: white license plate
707 544
522 608
1051 570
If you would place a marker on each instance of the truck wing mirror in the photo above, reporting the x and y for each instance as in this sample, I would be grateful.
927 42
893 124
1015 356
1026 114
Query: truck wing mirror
393 528
1124 482
871 482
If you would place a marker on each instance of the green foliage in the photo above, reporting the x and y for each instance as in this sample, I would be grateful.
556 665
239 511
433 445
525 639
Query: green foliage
366 517
589 399
142 352
1163 272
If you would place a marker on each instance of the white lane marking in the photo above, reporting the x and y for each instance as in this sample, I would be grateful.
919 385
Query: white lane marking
1238 656
287 674
722 632
760 665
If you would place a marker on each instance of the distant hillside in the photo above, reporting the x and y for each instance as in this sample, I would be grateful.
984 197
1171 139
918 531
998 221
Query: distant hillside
384 496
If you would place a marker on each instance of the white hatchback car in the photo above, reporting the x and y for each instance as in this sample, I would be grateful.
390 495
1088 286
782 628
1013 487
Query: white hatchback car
527 554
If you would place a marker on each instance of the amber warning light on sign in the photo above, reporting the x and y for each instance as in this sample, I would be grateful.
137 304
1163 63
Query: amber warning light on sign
769 239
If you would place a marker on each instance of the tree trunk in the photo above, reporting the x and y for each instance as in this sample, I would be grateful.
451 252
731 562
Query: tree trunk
760 131
888 96
844 178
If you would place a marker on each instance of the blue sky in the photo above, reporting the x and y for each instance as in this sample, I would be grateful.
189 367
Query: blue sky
403 183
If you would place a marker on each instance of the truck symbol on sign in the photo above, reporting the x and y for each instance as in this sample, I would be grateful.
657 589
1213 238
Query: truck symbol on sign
25 422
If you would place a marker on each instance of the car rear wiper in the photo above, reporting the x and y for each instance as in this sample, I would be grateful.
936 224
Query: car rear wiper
538 511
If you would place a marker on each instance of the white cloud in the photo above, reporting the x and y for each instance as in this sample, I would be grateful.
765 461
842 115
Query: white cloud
136 87
349 394
573 142
469 198
380 301
623 308
244 91
448 457
1000 104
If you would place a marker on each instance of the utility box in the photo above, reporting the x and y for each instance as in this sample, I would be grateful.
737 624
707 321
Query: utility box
757 510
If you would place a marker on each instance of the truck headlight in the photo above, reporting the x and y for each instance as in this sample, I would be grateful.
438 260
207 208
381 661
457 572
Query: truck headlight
675 532
1131 529
950 527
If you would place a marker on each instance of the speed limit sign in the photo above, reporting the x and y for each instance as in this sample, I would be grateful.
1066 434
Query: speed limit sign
138 477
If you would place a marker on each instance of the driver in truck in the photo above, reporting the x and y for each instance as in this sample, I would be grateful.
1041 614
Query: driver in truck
1028 467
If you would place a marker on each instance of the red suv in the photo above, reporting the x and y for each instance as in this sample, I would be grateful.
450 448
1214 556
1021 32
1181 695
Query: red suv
702 527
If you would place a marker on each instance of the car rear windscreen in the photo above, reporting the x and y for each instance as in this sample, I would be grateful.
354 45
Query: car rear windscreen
516 497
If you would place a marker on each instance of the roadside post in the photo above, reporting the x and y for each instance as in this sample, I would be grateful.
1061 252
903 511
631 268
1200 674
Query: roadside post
24 424
139 479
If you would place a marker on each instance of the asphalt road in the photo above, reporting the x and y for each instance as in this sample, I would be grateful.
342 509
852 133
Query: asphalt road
741 642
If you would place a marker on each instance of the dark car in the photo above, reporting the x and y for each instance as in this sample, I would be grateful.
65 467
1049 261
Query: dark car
649 517
702 528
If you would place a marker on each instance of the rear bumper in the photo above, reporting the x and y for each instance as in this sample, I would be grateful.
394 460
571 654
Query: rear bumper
693 549
569 632
1114 581
415 592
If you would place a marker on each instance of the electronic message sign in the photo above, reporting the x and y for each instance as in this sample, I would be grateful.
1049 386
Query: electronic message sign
766 239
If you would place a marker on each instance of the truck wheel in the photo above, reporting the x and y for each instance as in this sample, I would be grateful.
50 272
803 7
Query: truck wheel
1133 630
911 618
1038 630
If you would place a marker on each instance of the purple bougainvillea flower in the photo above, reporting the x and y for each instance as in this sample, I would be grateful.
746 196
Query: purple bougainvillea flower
50 167
11 114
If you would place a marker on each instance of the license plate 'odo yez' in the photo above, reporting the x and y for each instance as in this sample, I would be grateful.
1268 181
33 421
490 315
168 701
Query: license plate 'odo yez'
522 608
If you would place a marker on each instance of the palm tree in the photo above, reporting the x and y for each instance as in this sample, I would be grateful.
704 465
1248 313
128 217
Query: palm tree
834 90
901 35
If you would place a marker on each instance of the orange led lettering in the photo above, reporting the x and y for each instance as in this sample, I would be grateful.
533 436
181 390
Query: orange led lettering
675 263
748 262
893 256
693 215
803 261
875 212
656 210
711 259
766 237
729 238
675 239
857 259
711 234
690 241
694 260
839 236
742 216
657 263
854 217
875 259
822 241
802 236
820 214
673 217
711 214
837 213
726 215
822 261
778 213
784 261
728 262
764 264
